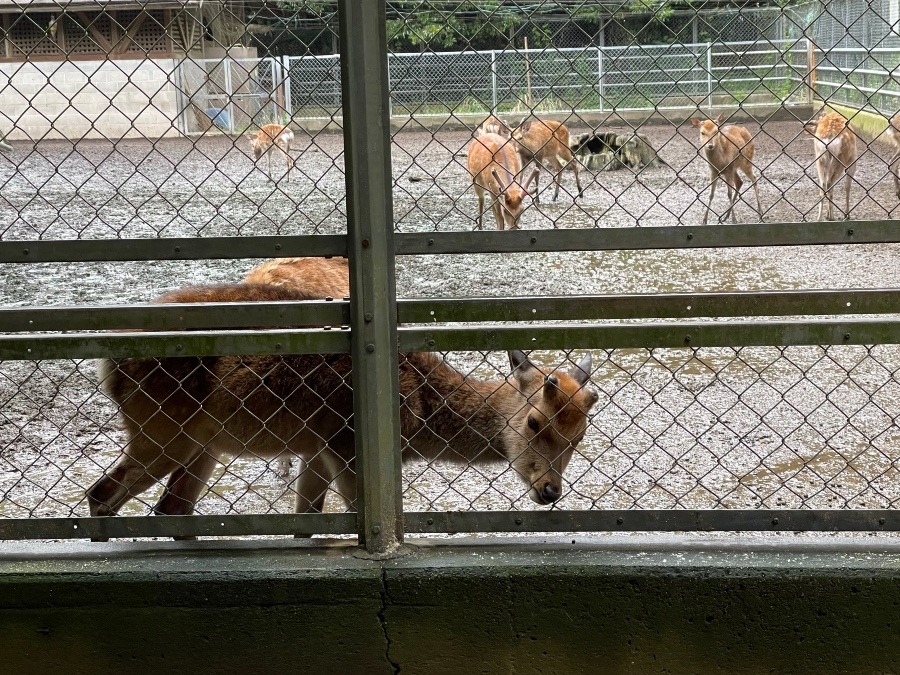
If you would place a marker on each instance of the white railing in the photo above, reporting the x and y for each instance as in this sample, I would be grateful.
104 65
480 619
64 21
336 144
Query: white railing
636 77
866 79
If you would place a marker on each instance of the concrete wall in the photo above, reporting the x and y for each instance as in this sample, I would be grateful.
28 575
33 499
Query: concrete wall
88 99
615 604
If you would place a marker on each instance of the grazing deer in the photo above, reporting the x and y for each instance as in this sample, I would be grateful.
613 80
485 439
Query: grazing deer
546 142
271 139
728 149
494 125
836 153
893 137
182 415
495 167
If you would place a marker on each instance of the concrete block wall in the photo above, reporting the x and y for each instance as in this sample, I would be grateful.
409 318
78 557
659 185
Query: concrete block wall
131 98
613 604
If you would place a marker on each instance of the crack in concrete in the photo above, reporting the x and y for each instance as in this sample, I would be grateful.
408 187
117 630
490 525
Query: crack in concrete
383 621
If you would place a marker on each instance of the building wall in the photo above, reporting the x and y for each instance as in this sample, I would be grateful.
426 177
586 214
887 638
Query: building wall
120 98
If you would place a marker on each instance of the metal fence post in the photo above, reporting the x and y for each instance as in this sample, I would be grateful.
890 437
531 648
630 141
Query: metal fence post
493 80
810 71
286 85
600 76
709 77
376 422
229 92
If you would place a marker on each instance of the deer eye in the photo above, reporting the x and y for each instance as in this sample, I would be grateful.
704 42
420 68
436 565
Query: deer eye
533 424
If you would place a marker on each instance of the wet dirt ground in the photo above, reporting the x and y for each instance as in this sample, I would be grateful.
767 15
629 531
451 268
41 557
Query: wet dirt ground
745 427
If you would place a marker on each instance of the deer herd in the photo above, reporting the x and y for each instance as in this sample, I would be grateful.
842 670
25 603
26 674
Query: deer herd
499 154
505 162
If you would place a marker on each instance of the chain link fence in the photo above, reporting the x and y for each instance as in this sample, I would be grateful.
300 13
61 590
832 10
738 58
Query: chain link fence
611 353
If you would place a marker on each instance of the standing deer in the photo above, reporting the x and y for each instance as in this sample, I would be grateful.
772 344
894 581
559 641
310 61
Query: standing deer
182 415
836 153
271 139
546 142
893 137
495 167
728 149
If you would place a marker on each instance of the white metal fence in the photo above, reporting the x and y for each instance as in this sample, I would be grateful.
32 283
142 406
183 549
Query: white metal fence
235 94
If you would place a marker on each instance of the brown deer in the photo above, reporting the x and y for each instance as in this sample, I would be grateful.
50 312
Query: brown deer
182 415
836 153
271 139
495 167
893 137
546 142
728 149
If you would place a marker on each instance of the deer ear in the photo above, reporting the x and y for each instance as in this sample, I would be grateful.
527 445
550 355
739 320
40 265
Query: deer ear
582 372
720 118
531 179
519 363
695 122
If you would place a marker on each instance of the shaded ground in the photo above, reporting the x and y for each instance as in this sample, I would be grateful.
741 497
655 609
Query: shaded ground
695 429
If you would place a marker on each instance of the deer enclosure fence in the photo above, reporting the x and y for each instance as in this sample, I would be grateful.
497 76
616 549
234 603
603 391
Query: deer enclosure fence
203 320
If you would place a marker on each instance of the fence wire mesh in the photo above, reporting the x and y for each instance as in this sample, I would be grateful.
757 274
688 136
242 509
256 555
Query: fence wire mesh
190 120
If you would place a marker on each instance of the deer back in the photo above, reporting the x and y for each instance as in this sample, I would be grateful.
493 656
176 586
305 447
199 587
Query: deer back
834 138
317 277
542 138
491 154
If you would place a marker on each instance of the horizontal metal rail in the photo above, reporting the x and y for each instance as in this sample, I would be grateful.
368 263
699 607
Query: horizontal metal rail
652 335
236 315
149 344
182 248
175 316
554 520
645 306
646 238
178 526
418 243
668 520
458 338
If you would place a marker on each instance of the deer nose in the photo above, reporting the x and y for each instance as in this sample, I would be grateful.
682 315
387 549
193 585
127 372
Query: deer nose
549 493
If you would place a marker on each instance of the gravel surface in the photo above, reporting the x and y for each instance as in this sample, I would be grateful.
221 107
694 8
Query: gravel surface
796 427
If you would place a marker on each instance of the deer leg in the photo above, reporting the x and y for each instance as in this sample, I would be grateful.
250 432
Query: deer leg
312 482
733 193
574 164
269 156
894 170
498 211
480 193
714 178
753 182
185 485
288 160
318 473
823 187
144 464
537 183
184 488
557 176
848 184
